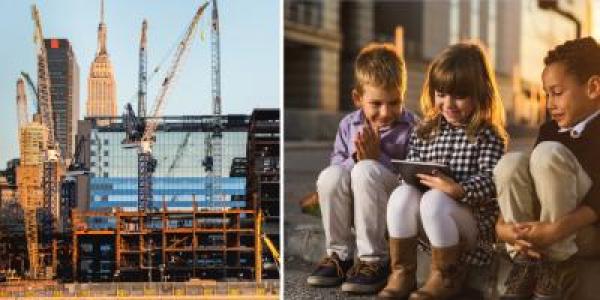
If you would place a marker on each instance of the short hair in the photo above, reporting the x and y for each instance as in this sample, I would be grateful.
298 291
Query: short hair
581 57
381 65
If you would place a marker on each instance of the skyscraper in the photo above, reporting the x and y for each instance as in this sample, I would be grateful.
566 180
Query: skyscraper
64 90
102 90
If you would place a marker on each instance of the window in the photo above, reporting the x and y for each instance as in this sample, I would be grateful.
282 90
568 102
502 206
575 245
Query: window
105 152
105 174
105 141
105 197
92 153
105 164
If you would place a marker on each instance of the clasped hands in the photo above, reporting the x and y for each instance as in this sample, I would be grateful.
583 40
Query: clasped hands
529 238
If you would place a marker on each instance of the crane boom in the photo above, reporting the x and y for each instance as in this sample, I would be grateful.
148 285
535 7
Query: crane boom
43 89
158 104
143 74
32 88
21 103
147 163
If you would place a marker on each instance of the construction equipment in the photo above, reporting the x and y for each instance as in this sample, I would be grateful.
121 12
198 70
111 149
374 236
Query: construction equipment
44 101
216 60
212 161
143 75
40 167
32 89
146 162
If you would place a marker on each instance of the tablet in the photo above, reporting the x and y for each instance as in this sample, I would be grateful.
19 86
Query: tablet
409 169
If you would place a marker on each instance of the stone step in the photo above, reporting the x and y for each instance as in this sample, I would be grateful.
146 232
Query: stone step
305 240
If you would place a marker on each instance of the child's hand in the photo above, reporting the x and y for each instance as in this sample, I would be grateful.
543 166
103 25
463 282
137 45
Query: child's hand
539 234
513 234
367 143
443 183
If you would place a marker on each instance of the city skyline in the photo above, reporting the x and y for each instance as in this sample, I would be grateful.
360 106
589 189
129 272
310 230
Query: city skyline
250 37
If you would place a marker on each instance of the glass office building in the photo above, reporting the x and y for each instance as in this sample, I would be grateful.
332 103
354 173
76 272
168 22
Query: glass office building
180 179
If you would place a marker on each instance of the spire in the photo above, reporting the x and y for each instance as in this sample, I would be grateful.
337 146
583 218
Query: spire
102 31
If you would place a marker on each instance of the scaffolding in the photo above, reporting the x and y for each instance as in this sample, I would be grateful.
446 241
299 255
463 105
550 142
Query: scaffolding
263 184
167 246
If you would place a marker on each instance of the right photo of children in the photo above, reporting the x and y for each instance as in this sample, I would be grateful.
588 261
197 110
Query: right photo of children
442 149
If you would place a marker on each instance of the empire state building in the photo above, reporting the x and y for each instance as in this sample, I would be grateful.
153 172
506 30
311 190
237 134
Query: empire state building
102 90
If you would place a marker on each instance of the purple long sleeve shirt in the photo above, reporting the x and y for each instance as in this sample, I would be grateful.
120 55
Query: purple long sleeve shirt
394 140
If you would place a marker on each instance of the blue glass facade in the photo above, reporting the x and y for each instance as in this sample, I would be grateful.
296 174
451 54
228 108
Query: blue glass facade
179 180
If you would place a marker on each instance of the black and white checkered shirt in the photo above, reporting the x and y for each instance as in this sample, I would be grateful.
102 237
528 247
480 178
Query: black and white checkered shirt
471 162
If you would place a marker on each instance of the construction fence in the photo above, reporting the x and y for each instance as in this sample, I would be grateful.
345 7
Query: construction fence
268 289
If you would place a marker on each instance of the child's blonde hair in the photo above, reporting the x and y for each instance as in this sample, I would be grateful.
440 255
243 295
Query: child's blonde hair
463 70
380 65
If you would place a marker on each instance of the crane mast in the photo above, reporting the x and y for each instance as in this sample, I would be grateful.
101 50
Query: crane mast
213 160
143 74
216 60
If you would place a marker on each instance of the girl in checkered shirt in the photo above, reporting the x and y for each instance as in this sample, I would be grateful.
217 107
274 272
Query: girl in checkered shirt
463 127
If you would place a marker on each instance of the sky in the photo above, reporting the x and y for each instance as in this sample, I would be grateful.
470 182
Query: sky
250 37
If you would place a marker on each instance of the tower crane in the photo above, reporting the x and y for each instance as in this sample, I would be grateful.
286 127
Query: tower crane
40 176
43 90
145 140
213 141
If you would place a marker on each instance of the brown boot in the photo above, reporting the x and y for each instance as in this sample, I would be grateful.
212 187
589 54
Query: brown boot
446 277
403 259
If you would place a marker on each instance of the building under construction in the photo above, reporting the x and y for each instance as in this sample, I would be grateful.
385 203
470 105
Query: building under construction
146 197
182 234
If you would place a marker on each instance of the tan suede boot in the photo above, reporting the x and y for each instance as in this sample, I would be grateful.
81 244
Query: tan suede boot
446 277
403 260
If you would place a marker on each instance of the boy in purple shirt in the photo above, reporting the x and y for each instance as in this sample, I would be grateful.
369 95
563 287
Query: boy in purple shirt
353 191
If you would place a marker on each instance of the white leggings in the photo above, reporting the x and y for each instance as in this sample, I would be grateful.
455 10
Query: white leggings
442 218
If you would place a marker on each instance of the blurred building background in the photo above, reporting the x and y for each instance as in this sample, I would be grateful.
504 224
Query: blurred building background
322 38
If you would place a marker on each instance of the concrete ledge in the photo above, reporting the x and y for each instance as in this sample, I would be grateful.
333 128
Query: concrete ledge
305 240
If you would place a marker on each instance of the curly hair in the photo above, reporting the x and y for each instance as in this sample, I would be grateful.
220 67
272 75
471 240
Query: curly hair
581 57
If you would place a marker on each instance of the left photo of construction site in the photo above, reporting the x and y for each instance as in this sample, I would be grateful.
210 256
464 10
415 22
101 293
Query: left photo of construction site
140 149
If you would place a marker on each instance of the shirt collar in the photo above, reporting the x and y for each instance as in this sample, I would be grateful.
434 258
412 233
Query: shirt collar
578 129
444 124
359 118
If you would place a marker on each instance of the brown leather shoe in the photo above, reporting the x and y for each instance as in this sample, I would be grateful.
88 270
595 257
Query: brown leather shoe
446 277
555 279
522 278
403 260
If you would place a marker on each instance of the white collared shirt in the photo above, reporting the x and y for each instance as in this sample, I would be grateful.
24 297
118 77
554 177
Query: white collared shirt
578 129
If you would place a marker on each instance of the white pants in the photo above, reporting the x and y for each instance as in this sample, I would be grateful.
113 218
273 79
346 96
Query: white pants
543 186
443 219
355 198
